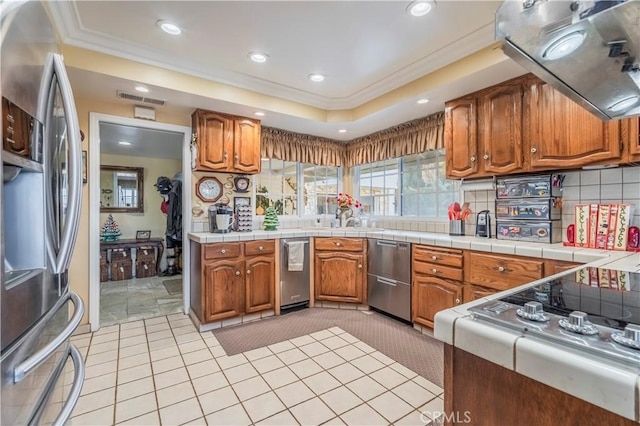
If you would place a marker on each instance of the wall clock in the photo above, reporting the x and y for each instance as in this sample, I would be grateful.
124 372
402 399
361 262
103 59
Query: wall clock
209 189
241 183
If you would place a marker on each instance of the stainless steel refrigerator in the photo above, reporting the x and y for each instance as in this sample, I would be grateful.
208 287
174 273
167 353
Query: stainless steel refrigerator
42 373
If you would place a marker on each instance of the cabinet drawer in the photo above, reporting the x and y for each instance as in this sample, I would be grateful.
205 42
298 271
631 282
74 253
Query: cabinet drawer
253 248
221 250
435 270
437 256
339 244
502 272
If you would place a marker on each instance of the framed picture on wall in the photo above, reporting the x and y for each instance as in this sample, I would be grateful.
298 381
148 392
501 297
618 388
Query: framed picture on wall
143 235
241 201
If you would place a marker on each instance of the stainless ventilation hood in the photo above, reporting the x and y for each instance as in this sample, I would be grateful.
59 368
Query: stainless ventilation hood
588 50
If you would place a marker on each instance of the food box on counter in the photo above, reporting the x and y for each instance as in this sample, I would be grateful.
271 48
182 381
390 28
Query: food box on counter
537 232
546 209
542 186
602 226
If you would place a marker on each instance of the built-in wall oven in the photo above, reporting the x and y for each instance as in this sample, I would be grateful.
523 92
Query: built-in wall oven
389 277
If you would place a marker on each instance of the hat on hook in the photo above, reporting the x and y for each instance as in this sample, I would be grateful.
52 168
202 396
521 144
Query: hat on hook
163 185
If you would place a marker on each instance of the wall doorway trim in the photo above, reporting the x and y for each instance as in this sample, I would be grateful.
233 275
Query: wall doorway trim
94 206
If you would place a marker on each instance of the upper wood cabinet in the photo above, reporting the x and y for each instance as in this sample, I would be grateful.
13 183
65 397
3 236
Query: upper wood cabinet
461 137
226 143
630 129
563 134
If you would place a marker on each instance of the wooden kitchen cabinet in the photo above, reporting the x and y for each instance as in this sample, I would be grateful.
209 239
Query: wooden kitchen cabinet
565 135
630 129
430 295
501 272
552 267
473 292
223 289
259 283
461 138
340 270
226 143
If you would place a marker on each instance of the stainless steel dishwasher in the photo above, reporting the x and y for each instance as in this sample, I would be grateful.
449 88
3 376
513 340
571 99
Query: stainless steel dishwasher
389 279
294 285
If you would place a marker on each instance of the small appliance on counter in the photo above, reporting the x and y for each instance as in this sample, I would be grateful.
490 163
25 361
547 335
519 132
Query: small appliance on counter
244 219
483 224
220 218
528 208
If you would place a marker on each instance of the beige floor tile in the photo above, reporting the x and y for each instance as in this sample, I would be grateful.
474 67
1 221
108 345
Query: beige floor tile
305 368
341 399
247 389
133 350
134 373
313 349
292 356
95 400
231 361
158 327
258 353
133 340
321 382
433 408
263 406
217 400
164 353
100 369
364 347
178 323
413 394
430 386
345 373
328 360
321 335
268 363
81 340
240 373
131 325
382 358
210 340
366 388
217 351
231 416
280 377
185 329
349 338
135 407
181 413
101 358
209 383
334 342
302 340
159 335
188 338
367 364
388 378
294 393
283 418
98 383
312 412
390 406
134 389
409 374
197 356
412 419
335 422
202 369
281 347
170 378
336 330
349 352
134 361
106 333
101 416
167 364
156 320
139 331
149 419
99 348
176 393
363 415
163 343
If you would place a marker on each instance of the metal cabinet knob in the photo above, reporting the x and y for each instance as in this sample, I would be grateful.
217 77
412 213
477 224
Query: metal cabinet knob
238 273
457 301
534 150
260 248
225 156
486 156
223 251
473 158
501 268
434 270
360 266
434 257
338 244
248 271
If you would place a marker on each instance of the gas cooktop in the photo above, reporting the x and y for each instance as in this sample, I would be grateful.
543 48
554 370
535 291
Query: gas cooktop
592 310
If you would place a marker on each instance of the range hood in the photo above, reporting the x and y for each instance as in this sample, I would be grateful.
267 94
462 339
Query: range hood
588 50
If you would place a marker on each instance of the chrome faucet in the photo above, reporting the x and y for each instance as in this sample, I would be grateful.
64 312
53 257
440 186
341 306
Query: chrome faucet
342 219
356 222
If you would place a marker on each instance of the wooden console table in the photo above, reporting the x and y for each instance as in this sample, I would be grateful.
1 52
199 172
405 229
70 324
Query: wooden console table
156 243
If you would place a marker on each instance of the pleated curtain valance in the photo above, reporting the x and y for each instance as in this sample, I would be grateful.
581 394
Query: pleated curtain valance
408 138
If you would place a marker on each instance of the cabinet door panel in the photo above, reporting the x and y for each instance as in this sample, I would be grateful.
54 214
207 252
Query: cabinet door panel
566 135
260 283
460 138
431 295
474 292
223 289
631 137
215 144
339 276
502 134
501 272
246 146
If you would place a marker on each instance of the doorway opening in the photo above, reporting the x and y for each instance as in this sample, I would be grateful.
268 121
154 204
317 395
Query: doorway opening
138 239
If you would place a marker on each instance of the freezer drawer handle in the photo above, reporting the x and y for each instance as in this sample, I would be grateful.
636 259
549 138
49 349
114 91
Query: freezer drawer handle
387 281
386 243
26 366
76 388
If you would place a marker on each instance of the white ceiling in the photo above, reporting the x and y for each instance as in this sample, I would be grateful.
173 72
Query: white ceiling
367 49
144 142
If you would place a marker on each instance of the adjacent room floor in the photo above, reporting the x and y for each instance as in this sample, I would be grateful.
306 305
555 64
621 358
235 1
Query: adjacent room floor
162 371
139 298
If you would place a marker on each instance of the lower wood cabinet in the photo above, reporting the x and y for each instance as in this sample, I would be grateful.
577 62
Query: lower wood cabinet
259 283
223 289
432 294
501 272
474 292
340 270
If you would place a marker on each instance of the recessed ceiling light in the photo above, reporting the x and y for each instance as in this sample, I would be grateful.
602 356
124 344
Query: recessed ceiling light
169 28
316 77
259 57
420 7
342 131
563 46
142 89
259 113
423 101
624 104
124 143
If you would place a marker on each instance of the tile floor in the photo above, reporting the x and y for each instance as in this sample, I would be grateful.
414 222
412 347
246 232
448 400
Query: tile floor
135 299
162 371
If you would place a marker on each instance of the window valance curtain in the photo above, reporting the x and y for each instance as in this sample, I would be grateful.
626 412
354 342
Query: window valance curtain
408 138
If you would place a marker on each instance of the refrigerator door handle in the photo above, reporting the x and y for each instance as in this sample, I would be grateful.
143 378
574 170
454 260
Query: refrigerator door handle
76 387
71 224
26 366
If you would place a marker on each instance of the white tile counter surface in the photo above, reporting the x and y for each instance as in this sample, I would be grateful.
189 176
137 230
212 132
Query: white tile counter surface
614 388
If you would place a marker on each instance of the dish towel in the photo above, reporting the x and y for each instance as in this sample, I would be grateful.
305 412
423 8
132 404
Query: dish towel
296 255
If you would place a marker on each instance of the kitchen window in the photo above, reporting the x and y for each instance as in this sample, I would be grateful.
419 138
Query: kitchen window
414 185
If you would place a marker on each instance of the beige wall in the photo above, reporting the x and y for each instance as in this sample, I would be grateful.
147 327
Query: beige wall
79 269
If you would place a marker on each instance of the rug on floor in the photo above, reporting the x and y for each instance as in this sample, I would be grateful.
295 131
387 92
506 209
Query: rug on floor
173 286
400 342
